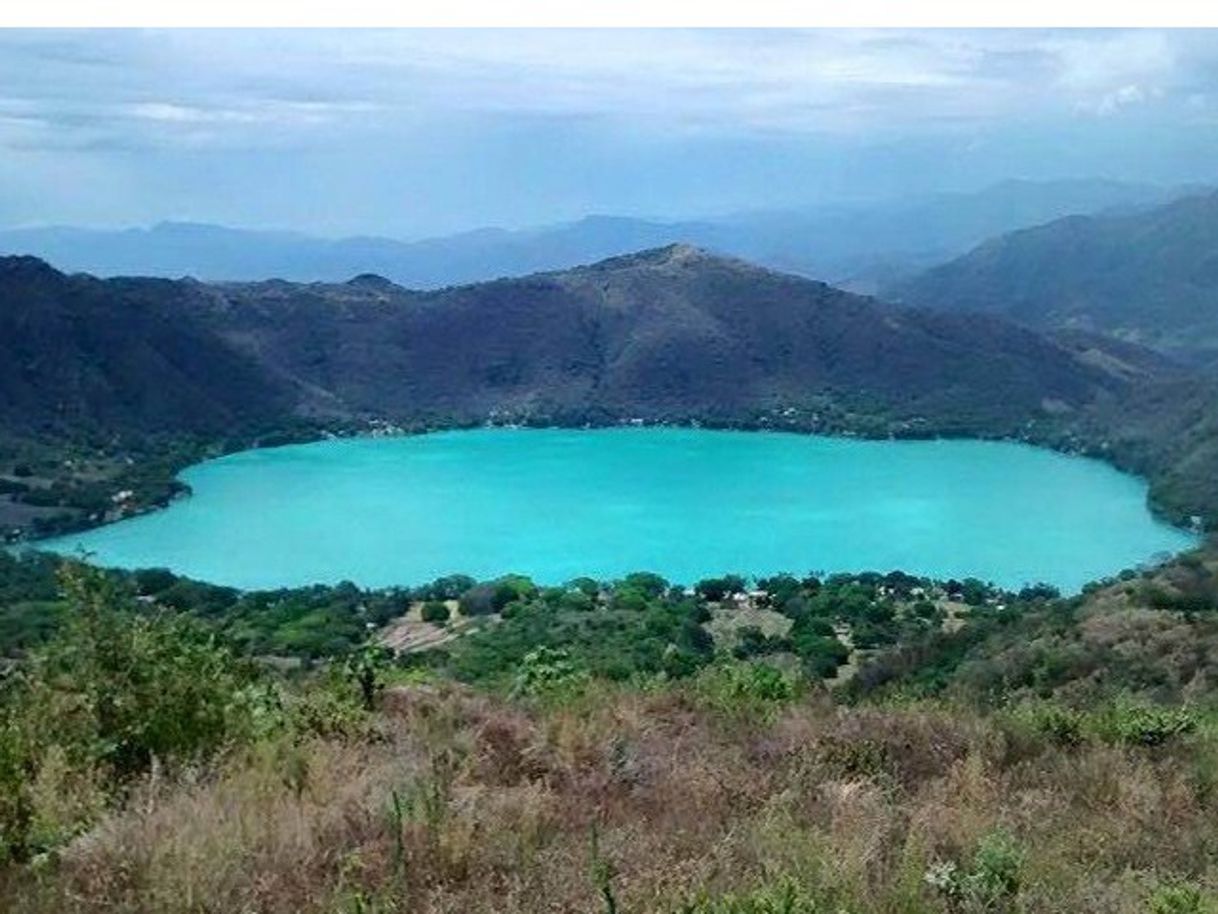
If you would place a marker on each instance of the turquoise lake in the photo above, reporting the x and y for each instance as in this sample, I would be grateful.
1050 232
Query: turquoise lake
686 503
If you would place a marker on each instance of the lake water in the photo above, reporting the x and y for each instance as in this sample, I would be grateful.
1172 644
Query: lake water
686 503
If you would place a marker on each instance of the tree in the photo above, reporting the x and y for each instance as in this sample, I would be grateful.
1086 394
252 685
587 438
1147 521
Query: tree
125 687
716 589
366 669
652 585
434 611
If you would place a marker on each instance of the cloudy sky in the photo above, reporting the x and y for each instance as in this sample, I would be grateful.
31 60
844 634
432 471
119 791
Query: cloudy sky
411 133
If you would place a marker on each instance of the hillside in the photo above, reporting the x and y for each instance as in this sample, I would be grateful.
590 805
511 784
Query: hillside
1149 276
600 748
670 333
143 376
80 354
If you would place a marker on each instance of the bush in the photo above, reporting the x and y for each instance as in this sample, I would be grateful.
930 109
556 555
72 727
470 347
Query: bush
1181 898
992 881
546 673
752 690
123 690
435 611
1059 725
1145 725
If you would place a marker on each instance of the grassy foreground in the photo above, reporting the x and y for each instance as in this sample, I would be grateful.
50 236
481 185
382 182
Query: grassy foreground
676 800
145 766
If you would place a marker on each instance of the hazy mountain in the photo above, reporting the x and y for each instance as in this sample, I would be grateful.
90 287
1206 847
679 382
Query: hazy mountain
862 245
1149 276
670 333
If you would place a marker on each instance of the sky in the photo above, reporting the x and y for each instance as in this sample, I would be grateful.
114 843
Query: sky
410 133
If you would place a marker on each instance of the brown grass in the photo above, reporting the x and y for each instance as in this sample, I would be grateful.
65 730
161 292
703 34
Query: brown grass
498 805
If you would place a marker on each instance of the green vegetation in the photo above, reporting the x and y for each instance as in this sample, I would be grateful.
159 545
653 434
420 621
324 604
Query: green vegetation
863 743
124 691
185 779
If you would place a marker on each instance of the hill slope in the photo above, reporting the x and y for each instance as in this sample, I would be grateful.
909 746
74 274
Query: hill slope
668 335
1149 276
78 353
672 333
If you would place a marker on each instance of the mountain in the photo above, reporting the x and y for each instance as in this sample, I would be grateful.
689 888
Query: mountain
1150 276
668 333
864 246
861 245
671 333
79 353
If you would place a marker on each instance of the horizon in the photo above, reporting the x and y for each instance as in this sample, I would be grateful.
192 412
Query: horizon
1170 191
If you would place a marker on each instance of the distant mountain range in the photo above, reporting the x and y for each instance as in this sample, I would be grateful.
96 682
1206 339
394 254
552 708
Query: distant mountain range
671 333
1150 276
858 246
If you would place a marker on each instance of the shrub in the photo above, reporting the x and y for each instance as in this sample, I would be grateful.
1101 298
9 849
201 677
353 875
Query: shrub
996 869
1181 898
1059 725
434 611
992 881
1137 724
547 673
122 689
746 689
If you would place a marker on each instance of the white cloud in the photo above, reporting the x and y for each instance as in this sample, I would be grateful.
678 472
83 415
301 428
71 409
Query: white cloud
162 85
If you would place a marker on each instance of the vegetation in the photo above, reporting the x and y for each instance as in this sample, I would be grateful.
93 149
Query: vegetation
630 799
614 746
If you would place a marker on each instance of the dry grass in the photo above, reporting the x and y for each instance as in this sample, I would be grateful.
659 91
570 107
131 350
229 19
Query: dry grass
496 807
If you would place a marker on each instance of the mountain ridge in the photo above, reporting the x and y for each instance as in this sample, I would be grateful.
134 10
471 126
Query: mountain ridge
1149 276
675 335
856 244
672 329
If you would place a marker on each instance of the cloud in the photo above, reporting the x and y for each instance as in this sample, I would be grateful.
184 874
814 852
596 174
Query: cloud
158 87
420 128
1124 97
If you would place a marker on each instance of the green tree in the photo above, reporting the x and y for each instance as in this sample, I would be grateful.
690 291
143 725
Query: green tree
434 611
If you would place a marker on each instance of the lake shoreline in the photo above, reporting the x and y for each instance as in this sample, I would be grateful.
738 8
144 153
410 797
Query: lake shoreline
1048 436
327 501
